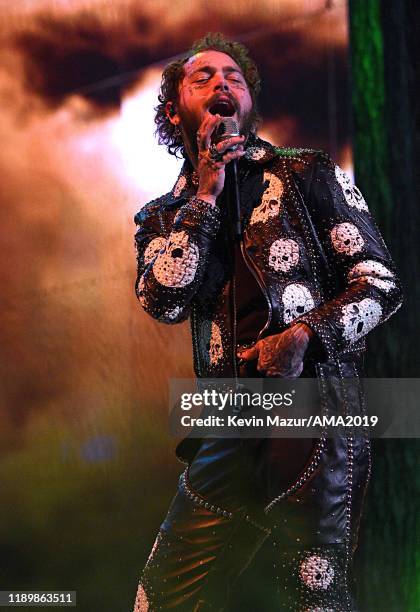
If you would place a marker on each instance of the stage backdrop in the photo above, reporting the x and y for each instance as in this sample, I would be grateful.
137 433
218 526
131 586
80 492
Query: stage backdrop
86 462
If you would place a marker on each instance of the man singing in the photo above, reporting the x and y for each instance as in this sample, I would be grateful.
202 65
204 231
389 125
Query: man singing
294 295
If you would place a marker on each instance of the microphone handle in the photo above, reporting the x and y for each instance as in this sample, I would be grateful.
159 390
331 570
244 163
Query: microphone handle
235 200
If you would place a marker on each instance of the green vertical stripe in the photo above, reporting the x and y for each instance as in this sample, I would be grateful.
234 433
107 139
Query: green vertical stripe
368 102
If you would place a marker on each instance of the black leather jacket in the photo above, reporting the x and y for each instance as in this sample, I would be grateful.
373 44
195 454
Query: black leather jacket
308 237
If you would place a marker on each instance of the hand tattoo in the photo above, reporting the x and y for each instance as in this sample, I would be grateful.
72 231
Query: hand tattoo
281 354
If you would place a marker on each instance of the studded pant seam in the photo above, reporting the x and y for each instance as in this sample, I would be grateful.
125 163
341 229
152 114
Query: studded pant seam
364 428
350 450
255 524
199 500
368 448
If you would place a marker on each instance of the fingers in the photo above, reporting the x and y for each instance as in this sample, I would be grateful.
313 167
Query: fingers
205 133
272 372
250 353
206 130
278 356
227 157
224 145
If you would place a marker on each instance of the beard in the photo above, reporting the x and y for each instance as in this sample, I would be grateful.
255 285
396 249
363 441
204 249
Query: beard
190 125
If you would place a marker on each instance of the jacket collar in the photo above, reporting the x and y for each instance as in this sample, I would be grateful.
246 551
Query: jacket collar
257 151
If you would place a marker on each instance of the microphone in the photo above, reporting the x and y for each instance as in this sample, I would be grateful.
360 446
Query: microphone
227 128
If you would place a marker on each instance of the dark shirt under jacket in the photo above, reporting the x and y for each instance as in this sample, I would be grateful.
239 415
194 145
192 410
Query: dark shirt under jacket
251 304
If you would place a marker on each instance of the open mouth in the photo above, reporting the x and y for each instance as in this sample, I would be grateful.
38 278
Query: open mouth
224 108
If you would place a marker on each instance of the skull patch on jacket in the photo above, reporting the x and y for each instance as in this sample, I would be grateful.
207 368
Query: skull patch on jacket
297 300
181 250
374 273
346 238
351 192
211 344
270 201
360 317
284 254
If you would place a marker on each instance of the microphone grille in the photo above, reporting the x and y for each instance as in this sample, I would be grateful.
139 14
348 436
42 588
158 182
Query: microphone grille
227 127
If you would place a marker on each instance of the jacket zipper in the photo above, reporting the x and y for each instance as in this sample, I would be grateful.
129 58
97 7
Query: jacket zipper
253 269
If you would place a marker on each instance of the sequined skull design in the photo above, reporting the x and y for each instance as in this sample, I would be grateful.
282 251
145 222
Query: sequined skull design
270 201
177 265
359 318
351 193
211 342
369 271
284 254
346 238
297 300
216 346
153 248
316 572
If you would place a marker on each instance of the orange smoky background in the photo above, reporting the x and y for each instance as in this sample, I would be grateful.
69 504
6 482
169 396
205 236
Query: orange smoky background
78 84
80 360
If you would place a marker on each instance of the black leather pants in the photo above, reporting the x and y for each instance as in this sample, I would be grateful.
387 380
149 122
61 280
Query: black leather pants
211 533
303 496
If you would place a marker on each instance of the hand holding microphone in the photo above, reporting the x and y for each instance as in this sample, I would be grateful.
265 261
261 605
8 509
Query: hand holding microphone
218 144
223 135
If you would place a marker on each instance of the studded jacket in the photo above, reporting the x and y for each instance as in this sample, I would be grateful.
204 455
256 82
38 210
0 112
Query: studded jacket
307 236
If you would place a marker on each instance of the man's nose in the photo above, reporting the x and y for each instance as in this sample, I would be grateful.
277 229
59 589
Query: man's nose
221 83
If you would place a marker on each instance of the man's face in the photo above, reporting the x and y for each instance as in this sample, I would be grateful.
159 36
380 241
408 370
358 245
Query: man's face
213 82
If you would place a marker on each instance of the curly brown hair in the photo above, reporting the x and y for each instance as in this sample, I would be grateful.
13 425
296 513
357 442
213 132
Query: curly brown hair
174 73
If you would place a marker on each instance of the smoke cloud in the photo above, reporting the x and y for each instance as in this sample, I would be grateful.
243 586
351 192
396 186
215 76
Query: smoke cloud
72 335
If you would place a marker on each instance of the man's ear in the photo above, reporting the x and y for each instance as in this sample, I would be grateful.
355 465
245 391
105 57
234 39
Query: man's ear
171 113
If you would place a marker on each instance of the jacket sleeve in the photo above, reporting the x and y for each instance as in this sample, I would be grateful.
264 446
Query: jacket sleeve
367 289
171 264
